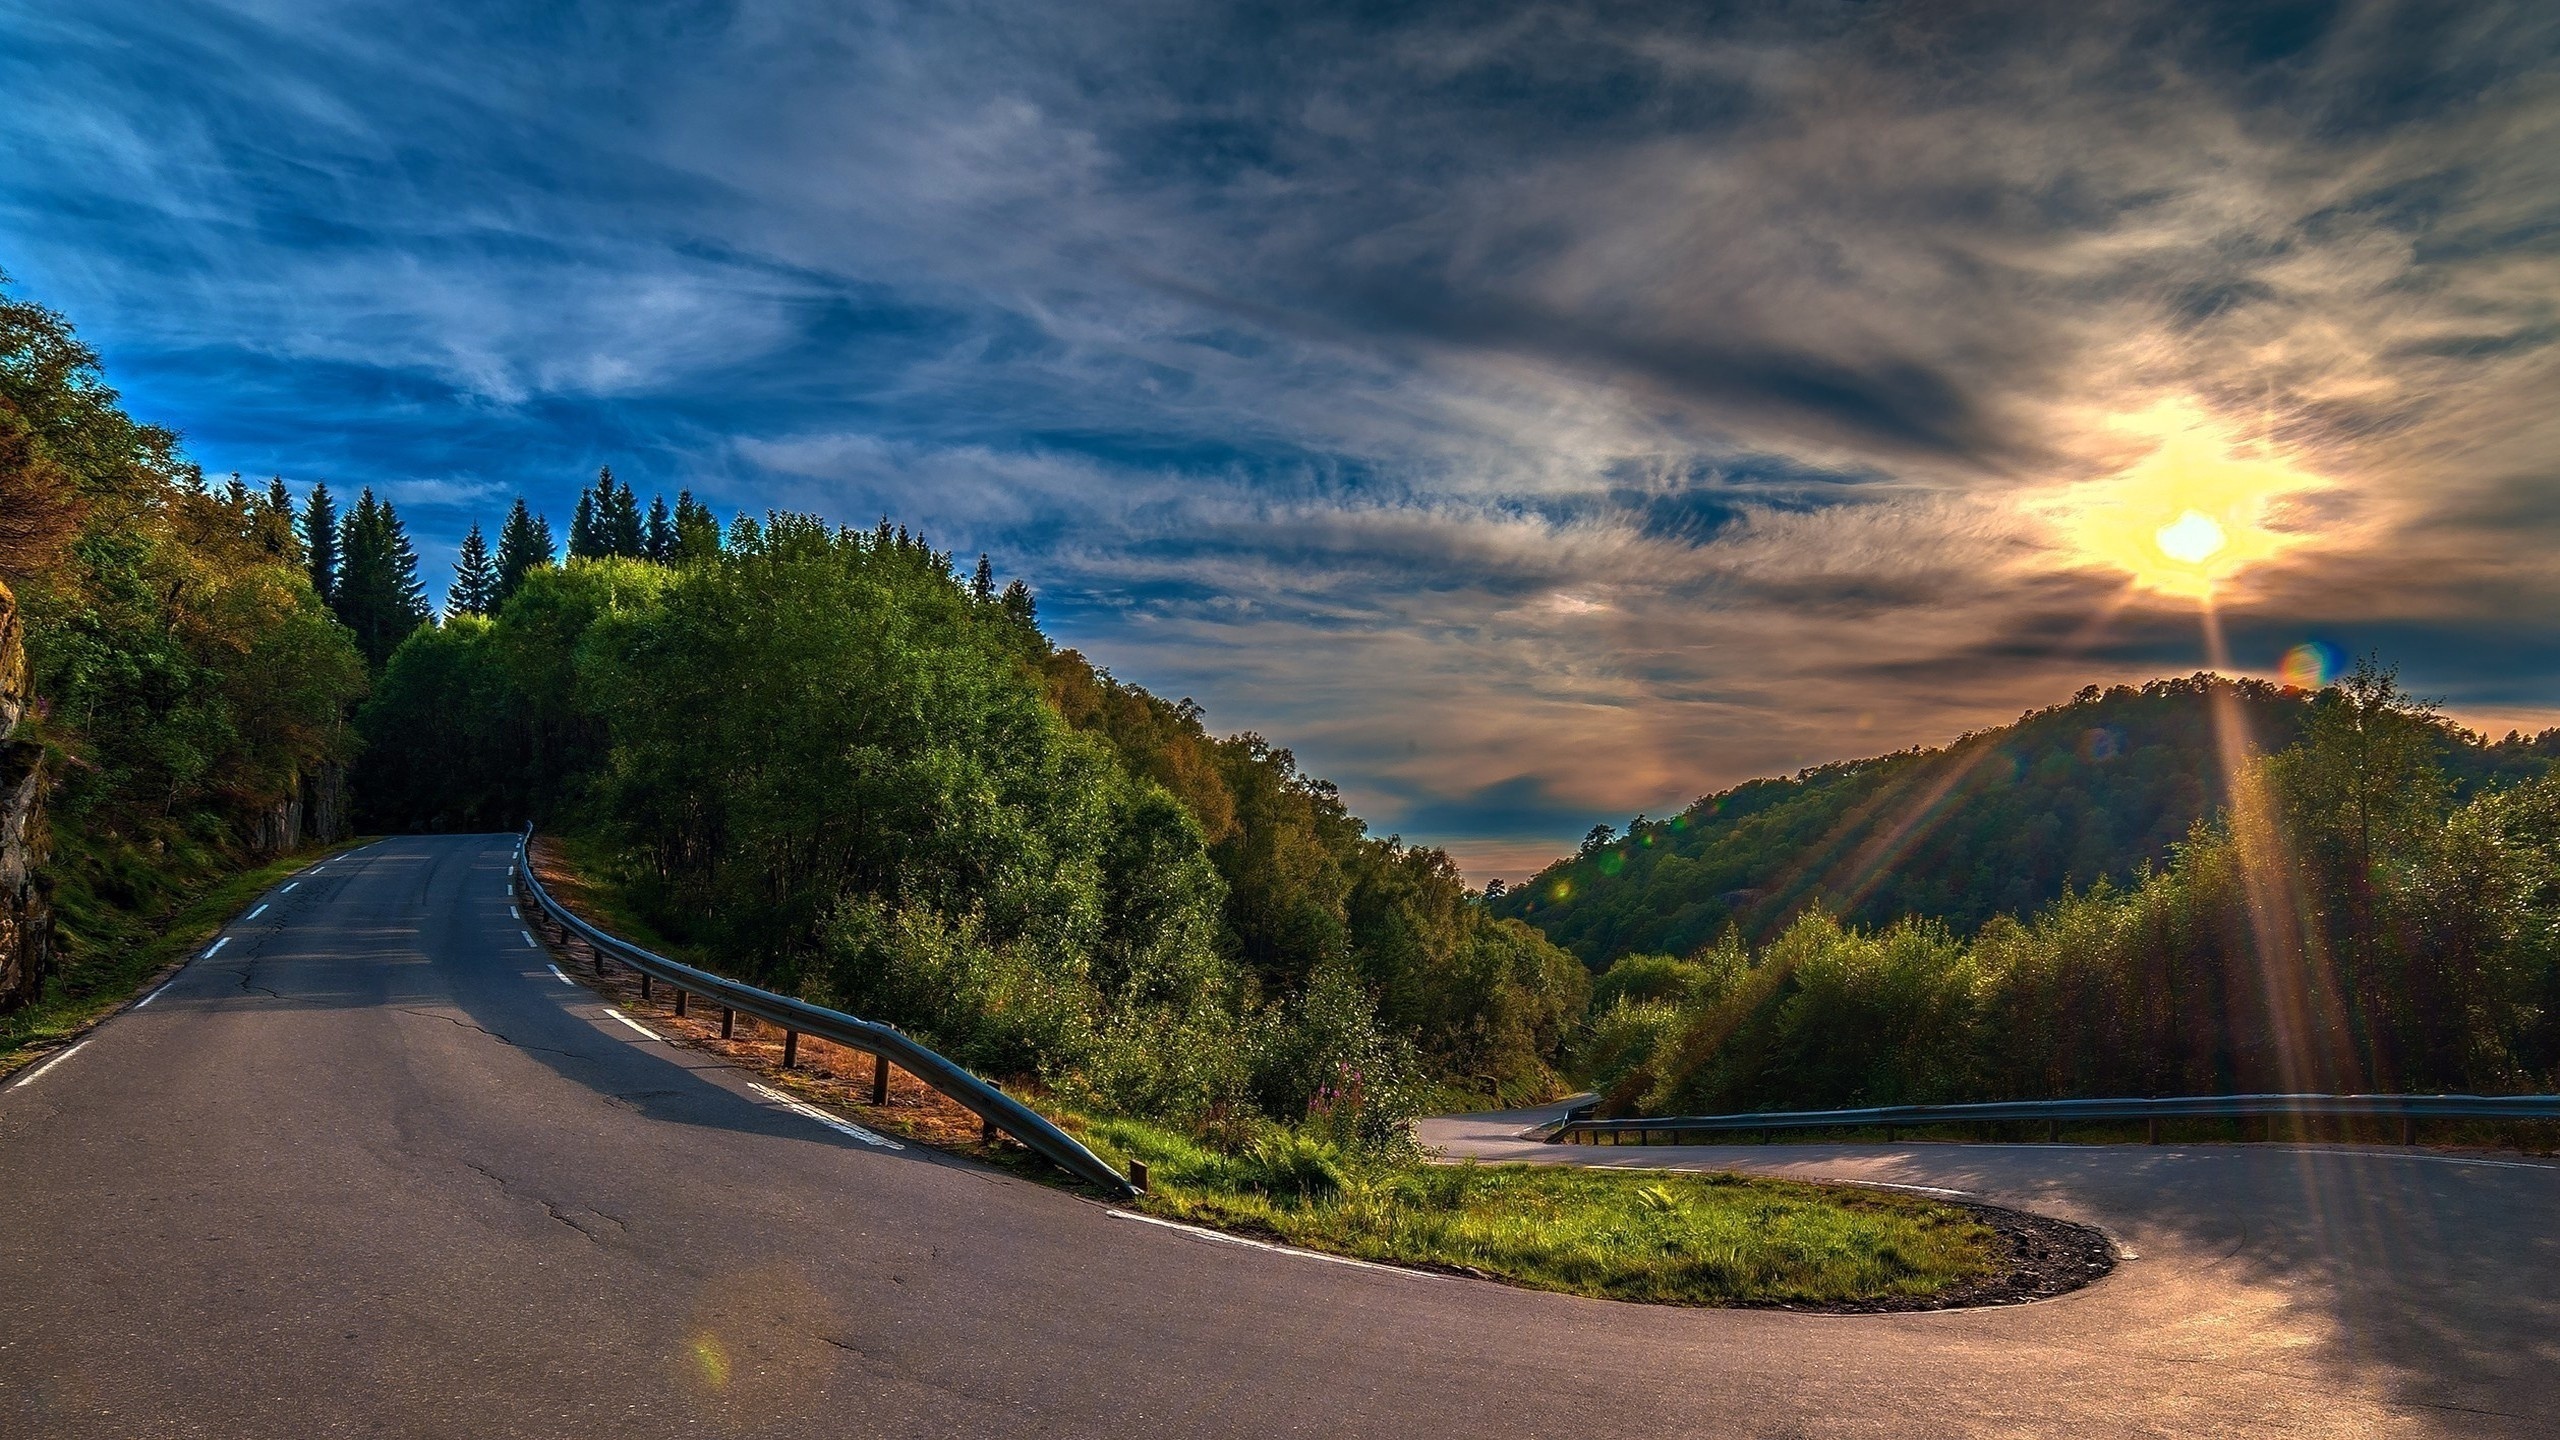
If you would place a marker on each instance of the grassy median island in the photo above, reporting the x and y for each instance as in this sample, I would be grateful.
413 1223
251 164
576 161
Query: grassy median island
1662 1237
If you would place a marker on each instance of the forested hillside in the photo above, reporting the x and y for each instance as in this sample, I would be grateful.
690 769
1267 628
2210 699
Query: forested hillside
838 767
186 693
2361 920
1999 823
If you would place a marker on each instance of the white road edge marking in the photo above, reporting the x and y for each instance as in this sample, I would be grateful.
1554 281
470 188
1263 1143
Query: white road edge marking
1923 1189
37 1073
555 972
836 1123
289 886
254 914
217 947
2430 1159
528 940
1224 1238
634 1024
154 995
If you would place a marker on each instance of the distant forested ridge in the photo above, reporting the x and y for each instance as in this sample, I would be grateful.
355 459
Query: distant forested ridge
839 766
2001 822
2374 907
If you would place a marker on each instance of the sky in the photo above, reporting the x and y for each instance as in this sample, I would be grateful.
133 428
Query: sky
1530 414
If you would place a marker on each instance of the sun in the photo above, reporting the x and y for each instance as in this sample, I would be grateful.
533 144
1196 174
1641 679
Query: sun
2189 517
2191 539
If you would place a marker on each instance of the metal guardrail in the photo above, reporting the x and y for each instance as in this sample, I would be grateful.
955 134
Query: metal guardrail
999 1111
1581 1128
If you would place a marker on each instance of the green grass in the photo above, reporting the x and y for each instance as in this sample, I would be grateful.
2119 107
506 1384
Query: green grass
1663 1237
110 950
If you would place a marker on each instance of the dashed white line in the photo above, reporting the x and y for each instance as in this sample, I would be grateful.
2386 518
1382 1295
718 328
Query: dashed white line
528 939
836 1123
634 1024
1226 1239
288 887
154 995
555 973
37 1073
254 914
217 947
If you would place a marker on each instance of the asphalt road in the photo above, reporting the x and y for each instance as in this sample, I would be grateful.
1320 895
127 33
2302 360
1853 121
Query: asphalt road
372 1169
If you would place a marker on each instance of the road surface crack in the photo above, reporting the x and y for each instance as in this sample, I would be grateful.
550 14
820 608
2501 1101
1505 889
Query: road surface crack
552 1208
492 1034
249 988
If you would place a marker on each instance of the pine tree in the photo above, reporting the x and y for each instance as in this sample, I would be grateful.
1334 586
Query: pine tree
658 540
475 578
982 587
582 530
320 542
275 523
618 518
1018 606
378 594
524 545
697 533
406 593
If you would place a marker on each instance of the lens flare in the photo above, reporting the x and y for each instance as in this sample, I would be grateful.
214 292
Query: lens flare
711 1361
2310 665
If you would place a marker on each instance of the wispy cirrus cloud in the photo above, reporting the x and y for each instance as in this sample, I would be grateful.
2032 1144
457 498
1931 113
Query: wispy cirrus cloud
1530 414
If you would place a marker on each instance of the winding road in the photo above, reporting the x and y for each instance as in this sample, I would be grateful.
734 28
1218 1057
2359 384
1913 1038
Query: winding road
373 1168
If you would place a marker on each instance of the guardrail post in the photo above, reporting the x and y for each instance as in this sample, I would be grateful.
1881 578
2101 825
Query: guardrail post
2408 1130
728 1021
644 984
987 1131
2151 1130
598 956
2053 1132
680 999
790 1048
880 1096
1138 1176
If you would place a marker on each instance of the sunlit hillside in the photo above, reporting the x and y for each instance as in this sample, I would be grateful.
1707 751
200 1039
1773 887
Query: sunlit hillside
1999 822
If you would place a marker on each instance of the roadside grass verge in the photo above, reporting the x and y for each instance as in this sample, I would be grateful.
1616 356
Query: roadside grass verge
1660 1237
110 952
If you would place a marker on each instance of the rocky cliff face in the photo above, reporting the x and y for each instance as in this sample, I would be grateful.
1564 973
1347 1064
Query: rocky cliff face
26 917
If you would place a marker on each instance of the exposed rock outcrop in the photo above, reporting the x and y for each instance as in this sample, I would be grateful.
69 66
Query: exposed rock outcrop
26 913
315 814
